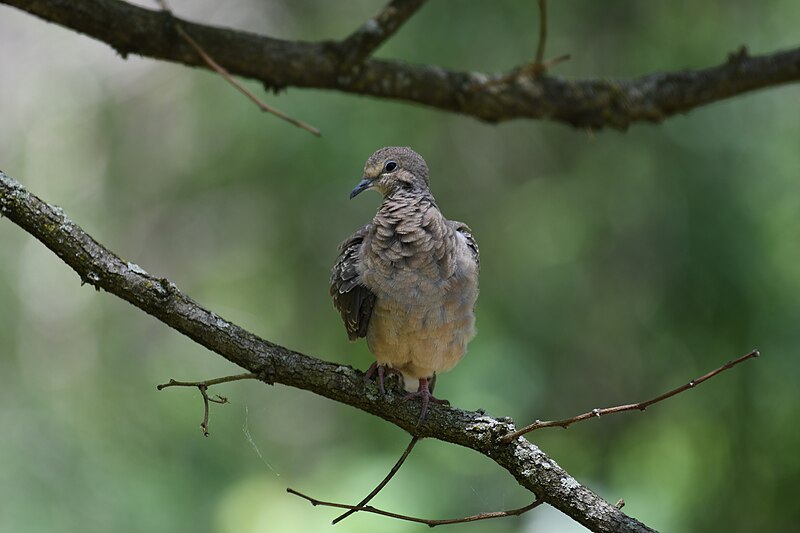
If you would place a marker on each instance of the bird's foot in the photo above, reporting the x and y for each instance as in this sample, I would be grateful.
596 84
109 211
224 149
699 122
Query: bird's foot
380 371
424 393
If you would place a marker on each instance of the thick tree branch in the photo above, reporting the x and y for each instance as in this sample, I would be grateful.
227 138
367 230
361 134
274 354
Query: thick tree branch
160 298
589 103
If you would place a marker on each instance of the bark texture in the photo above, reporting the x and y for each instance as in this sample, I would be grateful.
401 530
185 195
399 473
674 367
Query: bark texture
344 66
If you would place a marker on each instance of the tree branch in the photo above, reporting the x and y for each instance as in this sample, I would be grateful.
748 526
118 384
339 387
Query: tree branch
542 32
641 406
375 31
242 89
216 67
537 68
203 386
160 298
588 103
427 521
384 481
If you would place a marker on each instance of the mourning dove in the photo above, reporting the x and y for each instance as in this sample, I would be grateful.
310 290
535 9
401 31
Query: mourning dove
408 280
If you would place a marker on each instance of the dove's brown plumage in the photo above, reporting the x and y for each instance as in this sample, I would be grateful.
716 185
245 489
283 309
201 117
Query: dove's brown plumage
408 281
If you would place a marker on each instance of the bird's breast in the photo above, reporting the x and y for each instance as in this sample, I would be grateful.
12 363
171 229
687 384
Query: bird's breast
423 330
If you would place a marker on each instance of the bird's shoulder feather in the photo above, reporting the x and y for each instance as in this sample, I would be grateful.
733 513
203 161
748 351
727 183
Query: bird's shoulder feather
472 244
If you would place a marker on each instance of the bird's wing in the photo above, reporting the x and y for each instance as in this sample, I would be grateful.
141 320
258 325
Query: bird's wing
472 244
351 298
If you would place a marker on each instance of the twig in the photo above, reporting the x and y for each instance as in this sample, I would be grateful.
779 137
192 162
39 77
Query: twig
383 483
203 386
219 69
550 63
224 73
641 406
528 70
542 31
539 66
426 521
360 44
208 382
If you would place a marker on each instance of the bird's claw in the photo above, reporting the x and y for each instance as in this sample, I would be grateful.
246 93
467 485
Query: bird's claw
380 370
426 397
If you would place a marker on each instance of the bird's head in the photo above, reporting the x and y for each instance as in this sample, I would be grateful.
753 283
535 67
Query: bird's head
392 168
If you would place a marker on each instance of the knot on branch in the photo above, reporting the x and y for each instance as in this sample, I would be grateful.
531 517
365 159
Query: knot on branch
168 288
739 55
267 372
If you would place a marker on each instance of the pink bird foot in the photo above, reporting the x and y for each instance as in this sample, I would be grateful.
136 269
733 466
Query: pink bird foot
381 371
425 394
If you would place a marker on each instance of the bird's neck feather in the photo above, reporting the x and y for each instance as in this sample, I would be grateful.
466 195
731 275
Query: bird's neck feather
407 197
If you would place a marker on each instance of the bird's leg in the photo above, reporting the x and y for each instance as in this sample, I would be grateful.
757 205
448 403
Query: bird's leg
425 395
380 370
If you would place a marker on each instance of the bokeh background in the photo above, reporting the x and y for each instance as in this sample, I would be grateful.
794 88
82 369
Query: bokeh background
615 266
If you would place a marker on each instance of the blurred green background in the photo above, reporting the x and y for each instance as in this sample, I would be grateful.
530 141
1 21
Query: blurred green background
615 266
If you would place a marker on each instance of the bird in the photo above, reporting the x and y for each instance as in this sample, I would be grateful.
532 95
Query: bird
408 280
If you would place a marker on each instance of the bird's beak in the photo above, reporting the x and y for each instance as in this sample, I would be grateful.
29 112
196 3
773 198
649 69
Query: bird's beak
362 186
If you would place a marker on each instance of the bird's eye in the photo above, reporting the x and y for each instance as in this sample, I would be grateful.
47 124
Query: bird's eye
390 166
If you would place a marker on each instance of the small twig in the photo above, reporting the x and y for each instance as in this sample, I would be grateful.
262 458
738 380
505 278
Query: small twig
529 70
360 44
426 521
206 399
203 386
550 63
208 382
542 31
383 483
641 406
539 66
226 75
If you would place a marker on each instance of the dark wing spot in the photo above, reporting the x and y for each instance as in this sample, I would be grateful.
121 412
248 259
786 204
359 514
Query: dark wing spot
351 298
